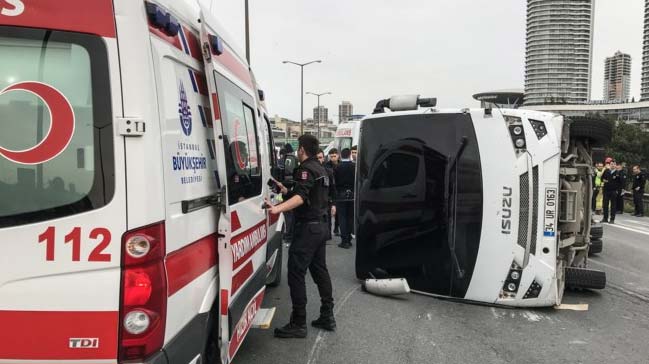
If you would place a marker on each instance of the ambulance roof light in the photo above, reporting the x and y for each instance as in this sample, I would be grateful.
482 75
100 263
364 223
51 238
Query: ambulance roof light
161 19
216 44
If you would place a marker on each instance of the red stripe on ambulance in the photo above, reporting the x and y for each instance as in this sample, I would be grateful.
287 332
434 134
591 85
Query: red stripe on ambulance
247 243
232 63
54 335
190 262
93 17
193 44
241 277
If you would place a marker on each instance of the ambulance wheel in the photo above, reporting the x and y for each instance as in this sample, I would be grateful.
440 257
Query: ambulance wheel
275 276
584 278
598 130
596 246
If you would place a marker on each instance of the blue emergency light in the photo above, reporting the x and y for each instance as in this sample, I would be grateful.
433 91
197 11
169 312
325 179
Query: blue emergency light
216 44
161 19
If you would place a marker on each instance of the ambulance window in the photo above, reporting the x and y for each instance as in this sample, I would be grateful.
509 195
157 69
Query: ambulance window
53 162
271 144
241 142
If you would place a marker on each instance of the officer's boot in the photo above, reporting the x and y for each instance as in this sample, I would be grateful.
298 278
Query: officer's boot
326 321
295 329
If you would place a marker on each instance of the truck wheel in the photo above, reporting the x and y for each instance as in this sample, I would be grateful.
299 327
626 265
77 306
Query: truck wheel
275 276
584 278
596 246
598 130
596 231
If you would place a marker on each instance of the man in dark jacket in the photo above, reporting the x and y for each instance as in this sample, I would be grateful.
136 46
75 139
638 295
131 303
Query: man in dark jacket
619 204
612 184
639 181
331 211
344 175
332 163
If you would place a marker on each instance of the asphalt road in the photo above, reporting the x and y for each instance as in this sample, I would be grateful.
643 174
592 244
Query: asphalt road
420 329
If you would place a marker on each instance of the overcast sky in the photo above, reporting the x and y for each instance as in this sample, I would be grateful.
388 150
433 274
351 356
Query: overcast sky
372 49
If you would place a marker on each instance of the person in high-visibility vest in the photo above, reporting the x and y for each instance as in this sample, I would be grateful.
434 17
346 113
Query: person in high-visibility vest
597 183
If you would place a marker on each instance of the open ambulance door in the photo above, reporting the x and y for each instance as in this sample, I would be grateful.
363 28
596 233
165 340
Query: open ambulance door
243 229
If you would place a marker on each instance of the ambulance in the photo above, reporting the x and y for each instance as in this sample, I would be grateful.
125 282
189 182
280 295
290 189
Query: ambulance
346 135
483 205
135 148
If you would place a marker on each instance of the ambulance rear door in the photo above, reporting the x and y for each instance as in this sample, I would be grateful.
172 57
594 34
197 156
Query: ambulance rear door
62 190
243 230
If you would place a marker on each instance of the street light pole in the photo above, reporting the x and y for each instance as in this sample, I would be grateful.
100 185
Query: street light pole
301 65
247 35
319 113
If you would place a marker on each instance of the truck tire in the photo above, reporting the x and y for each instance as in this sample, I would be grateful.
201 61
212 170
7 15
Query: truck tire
596 246
596 232
598 130
275 276
584 278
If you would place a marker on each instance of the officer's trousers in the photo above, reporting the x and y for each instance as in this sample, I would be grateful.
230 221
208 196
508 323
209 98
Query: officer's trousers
609 202
345 213
308 251
637 201
619 204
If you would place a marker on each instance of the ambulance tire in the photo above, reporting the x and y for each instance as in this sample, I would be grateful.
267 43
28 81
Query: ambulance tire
584 278
596 246
275 276
598 130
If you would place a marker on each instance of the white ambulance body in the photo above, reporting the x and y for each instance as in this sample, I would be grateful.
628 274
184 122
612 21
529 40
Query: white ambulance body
134 150
346 135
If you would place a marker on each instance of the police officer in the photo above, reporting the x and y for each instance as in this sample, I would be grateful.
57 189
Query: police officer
331 211
288 163
597 183
308 200
621 171
612 183
639 181
332 163
344 175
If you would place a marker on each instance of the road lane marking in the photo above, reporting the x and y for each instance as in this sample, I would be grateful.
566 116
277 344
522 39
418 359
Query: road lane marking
634 222
317 345
628 270
619 226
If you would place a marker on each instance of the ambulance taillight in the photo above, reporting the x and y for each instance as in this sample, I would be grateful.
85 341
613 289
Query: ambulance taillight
144 292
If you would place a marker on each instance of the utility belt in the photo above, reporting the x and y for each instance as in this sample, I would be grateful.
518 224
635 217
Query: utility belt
313 221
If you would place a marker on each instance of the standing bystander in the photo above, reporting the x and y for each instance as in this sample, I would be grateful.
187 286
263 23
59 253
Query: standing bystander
639 181
611 180
344 175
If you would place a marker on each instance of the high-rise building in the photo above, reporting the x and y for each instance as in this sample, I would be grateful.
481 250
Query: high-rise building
558 51
320 114
644 87
617 77
346 110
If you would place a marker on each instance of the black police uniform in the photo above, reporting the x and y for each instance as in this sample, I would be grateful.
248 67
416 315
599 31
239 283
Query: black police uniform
344 176
331 165
619 204
639 181
612 185
308 248
331 199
